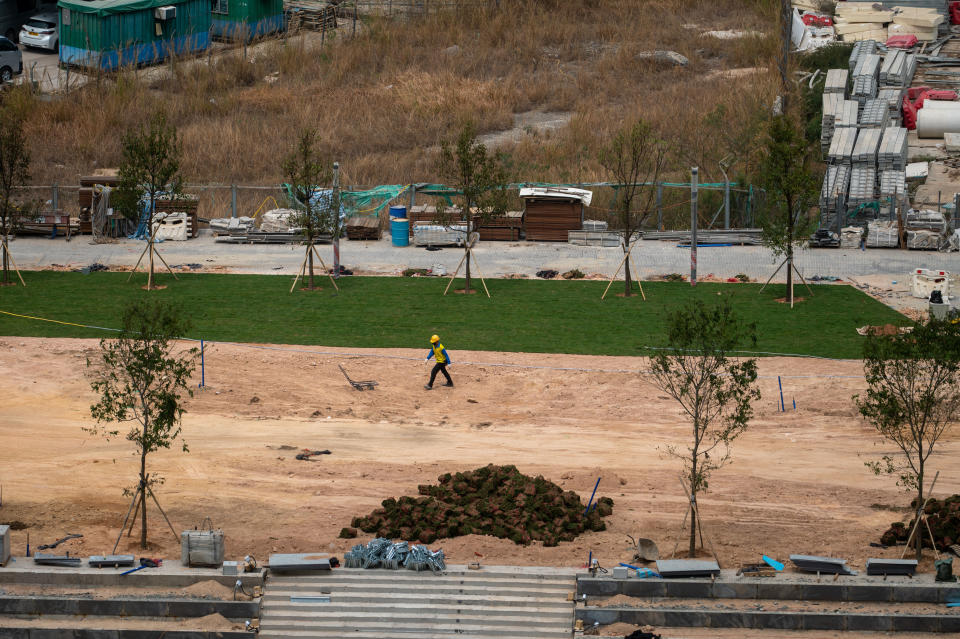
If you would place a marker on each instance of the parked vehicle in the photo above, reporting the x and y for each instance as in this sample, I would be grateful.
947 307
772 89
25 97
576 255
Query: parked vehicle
11 60
41 31
13 13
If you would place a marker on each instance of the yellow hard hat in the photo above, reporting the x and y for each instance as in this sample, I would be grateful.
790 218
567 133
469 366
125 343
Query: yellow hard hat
434 339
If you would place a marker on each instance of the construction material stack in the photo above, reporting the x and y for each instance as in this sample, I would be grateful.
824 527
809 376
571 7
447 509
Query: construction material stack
861 21
858 20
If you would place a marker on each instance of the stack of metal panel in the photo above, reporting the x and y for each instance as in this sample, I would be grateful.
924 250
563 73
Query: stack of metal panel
875 114
864 88
865 148
863 186
882 234
911 69
862 48
836 82
893 182
825 565
893 96
892 154
833 194
891 566
869 65
893 71
831 107
687 568
848 115
841 147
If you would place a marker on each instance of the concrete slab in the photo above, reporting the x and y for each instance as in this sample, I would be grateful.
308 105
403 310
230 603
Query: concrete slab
170 575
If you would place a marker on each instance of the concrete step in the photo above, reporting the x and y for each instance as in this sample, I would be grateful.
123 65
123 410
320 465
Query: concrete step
387 579
277 610
423 599
426 589
564 619
425 626
498 572
341 634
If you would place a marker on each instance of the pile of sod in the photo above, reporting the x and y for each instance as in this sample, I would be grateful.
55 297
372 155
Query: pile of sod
493 500
943 517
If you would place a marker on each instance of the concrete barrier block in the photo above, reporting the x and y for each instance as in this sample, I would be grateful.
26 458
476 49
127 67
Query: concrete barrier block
776 621
868 593
823 621
873 623
916 623
735 590
949 594
950 623
774 590
916 594
603 616
643 617
822 592
689 589
728 619
686 618
645 588
597 587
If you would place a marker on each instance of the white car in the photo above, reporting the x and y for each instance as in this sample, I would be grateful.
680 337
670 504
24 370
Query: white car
41 32
11 61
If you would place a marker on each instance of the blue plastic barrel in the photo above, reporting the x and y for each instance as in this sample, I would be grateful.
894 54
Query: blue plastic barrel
398 211
400 231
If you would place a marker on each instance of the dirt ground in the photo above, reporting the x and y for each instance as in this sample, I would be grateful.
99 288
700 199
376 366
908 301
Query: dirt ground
797 484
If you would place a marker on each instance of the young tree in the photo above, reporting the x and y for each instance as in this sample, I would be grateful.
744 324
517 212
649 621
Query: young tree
791 185
305 170
634 159
714 390
481 179
150 166
912 397
141 379
14 172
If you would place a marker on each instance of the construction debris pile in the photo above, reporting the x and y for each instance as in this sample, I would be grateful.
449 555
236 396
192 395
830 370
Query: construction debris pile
858 20
384 553
493 500
943 517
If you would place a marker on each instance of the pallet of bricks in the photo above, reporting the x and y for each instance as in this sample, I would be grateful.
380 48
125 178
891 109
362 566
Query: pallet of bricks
186 205
309 15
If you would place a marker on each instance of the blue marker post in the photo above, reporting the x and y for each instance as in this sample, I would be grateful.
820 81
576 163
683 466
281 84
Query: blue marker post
590 503
794 403
201 365
782 409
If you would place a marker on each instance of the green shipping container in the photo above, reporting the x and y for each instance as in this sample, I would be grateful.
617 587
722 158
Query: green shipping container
239 19
109 34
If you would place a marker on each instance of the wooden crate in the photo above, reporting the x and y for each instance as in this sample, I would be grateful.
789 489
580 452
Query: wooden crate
504 228
181 205
363 227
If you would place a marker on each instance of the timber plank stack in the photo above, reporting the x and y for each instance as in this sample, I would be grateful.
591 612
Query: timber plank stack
549 220
503 228
308 14
363 227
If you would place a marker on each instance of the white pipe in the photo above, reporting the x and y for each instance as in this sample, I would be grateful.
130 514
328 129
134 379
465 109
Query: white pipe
933 123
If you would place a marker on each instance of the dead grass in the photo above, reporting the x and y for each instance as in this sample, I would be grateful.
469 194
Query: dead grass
384 99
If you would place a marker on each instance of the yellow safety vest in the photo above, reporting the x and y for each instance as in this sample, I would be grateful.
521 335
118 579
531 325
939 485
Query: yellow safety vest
438 353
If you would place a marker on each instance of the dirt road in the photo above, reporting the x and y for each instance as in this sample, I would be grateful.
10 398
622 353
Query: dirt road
797 484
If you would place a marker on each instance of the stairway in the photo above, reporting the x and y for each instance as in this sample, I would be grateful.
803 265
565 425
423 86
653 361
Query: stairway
497 601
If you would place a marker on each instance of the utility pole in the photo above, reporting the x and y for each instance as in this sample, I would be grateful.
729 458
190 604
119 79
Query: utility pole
693 226
335 203
786 29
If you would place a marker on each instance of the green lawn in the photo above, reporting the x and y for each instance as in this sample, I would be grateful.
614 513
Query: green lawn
523 315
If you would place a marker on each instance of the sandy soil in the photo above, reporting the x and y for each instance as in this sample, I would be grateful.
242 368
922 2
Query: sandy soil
201 590
853 607
797 484
207 623
623 629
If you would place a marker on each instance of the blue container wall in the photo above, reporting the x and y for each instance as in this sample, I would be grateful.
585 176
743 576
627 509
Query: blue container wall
130 38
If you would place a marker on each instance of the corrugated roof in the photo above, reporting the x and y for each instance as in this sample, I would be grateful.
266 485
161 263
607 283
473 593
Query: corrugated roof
113 7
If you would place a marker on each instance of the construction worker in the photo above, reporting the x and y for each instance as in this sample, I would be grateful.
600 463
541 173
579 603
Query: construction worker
439 353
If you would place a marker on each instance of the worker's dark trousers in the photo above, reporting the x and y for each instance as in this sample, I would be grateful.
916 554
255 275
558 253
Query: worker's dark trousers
441 368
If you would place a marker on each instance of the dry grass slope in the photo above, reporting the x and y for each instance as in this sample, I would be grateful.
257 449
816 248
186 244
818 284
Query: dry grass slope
384 99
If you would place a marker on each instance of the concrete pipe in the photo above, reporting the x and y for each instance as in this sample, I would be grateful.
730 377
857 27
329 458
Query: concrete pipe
933 123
